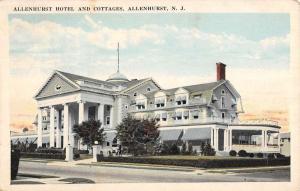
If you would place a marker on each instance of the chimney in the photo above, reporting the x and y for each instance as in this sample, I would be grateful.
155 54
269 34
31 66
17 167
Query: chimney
221 71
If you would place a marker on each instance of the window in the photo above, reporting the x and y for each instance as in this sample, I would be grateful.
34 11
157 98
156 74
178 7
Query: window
223 92
164 119
222 102
196 116
141 107
126 106
107 120
134 94
148 89
107 144
223 115
57 87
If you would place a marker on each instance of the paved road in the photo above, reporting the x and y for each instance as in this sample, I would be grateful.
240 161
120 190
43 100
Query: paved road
105 174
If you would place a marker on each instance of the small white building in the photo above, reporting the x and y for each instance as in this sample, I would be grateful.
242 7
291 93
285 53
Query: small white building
197 113
285 143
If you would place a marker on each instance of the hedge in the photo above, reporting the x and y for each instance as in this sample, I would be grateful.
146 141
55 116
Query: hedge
43 155
201 163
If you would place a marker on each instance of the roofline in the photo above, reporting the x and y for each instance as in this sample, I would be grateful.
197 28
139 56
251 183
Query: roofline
138 84
50 77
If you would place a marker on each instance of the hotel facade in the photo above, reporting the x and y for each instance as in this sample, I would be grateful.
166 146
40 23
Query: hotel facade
193 114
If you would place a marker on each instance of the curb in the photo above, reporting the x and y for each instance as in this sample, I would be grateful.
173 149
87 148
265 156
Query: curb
134 166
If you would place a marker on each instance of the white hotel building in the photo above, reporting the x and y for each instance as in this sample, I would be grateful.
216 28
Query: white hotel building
203 112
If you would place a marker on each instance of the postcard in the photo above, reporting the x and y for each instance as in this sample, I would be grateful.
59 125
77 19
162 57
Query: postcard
150 95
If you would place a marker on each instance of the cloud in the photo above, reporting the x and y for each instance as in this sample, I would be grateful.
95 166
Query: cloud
173 56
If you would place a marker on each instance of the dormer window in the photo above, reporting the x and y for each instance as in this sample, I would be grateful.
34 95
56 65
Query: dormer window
134 94
58 87
148 89
140 105
160 102
180 100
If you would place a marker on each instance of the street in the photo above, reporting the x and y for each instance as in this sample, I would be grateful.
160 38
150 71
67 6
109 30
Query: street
97 173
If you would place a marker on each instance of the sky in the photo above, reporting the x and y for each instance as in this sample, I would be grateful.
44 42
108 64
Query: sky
174 49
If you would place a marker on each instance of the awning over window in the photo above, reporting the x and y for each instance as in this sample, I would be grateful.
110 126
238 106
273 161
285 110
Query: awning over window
186 113
140 103
157 116
46 139
178 98
159 101
170 135
164 115
178 114
195 113
196 134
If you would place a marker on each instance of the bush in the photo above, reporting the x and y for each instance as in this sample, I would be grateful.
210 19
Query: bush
242 153
260 155
174 150
14 165
190 148
232 153
278 155
271 156
251 155
83 151
208 150
183 149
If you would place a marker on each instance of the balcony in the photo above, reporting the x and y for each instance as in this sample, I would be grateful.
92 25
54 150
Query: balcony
168 105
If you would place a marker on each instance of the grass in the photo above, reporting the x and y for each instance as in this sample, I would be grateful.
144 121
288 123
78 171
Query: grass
77 180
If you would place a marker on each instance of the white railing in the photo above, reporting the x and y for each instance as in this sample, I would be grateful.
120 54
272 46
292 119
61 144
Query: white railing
259 122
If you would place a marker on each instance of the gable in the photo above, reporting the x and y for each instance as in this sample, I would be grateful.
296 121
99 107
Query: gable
56 85
142 89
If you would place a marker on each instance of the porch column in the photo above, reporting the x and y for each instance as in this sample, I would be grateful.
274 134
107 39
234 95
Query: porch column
216 139
119 110
81 112
111 122
266 138
225 139
66 125
52 137
58 128
230 139
101 113
40 128
212 137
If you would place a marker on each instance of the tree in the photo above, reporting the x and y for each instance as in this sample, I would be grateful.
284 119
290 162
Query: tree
138 136
90 132
183 148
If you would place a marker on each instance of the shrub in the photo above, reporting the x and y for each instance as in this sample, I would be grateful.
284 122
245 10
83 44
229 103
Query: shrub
183 148
278 155
208 150
259 155
232 153
271 156
174 150
190 148
242 153
251 155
